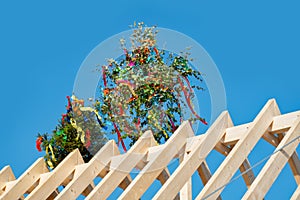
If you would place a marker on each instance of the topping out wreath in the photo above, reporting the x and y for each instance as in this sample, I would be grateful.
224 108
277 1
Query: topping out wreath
147 88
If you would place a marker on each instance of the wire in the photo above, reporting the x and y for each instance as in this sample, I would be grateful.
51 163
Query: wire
254 166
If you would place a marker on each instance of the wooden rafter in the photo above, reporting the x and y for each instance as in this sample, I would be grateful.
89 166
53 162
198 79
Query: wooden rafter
151 162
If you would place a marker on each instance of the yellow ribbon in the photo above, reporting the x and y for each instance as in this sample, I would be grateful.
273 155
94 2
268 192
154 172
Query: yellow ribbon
52 153
50 164
79 130
52 156
91 110
156 124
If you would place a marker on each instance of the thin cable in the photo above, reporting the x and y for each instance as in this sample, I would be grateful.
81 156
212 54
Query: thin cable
254 166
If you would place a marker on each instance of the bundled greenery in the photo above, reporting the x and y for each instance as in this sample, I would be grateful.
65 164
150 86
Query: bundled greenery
76 130
146 88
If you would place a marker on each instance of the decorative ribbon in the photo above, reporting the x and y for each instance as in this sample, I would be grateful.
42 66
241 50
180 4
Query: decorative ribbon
38 143
137 125
50 164
104 76
88 138
188 99
69 107
131 86
96 113
79 101
121 113
156 51
156 124
52 156
120 137
172 124
63 118
79 130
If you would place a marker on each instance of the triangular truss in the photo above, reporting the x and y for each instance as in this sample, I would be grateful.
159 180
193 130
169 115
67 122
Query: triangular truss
151 163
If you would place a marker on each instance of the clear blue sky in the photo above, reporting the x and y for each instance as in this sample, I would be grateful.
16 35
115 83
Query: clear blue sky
255 45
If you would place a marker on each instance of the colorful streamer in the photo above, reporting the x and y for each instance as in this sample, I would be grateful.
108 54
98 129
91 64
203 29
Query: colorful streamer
188 100
38 143
120 137
104 76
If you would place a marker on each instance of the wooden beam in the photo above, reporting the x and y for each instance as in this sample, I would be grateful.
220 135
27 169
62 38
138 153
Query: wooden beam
56 177
186 190
86 173
160 161
271 138
235 133
294 163
222 149
249 176
123 167
163 176
296 195
280 124
25 181
283 122
194 159
240 151
6 175
204 172
274 165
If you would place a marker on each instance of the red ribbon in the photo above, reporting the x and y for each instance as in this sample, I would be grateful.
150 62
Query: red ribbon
188 99
173 125
104 76
120 138
69 108
38 143
88 137
126 82
137 125
156 51
63 116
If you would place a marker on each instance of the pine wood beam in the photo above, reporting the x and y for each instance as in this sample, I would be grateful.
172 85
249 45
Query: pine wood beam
158 162
194 159
123 167
240 151
274 165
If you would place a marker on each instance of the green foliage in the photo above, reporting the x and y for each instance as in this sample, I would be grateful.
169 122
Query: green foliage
145 89
77 130
141 90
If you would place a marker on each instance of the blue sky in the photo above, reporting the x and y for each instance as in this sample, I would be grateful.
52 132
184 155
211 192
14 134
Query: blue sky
43 43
